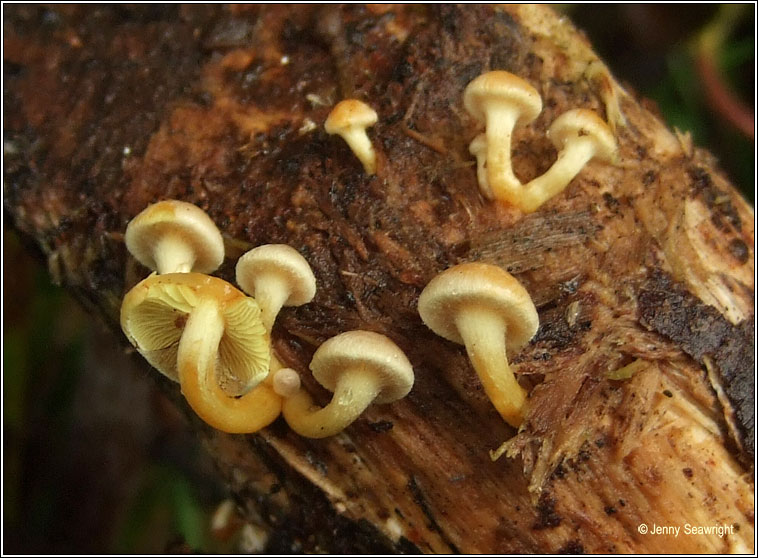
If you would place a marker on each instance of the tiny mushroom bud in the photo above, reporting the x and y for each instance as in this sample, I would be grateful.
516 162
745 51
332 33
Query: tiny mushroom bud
478 148
580 135
201 331
286 382
359 367
175 237
487 310
349 119
500 101
275 275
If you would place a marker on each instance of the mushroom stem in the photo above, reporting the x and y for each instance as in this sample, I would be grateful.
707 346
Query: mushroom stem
478 148
360 144
270 294
571 160
173 254
483 334
501 120
354 392
196 363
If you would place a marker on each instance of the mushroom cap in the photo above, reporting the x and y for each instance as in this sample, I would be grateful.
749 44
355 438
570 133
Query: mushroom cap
502 86
369 351
283 261
286 382
173 217
478 145
583 123
471 285
154 312
350 113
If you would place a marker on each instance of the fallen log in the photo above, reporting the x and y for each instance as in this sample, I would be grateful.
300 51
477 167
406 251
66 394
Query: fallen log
640 378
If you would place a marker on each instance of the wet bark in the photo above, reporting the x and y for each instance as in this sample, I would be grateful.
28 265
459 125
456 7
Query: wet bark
640 378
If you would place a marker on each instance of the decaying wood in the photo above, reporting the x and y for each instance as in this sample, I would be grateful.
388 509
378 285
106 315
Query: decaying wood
648 263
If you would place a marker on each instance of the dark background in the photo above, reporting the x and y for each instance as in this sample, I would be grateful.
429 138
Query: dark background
96 460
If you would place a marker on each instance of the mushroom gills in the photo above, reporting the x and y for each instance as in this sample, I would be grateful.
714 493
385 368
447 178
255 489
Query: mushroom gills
197 363
207 335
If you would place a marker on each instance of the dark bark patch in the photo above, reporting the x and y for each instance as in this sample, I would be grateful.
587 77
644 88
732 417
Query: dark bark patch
572 547
547 516
701 331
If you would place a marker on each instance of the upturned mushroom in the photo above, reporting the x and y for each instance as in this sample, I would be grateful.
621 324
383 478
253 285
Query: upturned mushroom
172 236
500 101
349 119
580 135
275 275
207 335
360 368
486 309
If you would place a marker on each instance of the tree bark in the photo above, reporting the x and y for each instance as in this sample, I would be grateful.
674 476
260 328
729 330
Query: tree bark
640 378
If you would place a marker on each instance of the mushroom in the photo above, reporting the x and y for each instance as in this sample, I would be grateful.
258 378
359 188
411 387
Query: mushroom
204 333
286 382
359 367
349 119
500 101
175 237
580 135
275 275
484 308
478 148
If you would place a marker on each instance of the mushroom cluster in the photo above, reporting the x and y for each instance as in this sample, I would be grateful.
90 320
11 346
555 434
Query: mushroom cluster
500 101
215 340
486 309
196 329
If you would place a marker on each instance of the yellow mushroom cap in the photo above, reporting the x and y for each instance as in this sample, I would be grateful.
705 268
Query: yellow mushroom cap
349 119
478 285
350 113
186 225
583 123
283 262
369 351
500 86
154 312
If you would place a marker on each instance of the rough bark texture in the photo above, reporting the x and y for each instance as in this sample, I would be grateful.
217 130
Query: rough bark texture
647 262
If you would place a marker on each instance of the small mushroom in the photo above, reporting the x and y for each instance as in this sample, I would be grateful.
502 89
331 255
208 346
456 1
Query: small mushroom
484 308
275 275
349 119
478 148
360 368
500 101
175 237
202 332
286 382
580 135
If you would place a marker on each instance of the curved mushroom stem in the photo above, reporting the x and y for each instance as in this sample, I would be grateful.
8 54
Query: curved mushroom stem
571 160
483 334
360 144
354 392
478 148
270 293
196 362
501 119
173 255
